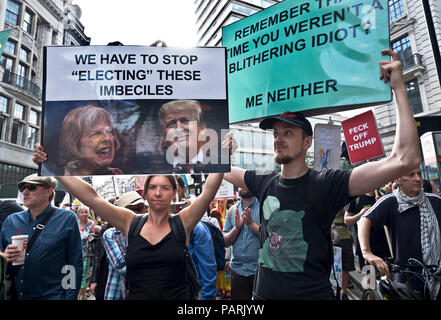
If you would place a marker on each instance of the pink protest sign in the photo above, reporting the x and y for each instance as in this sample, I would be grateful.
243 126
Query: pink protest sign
362 137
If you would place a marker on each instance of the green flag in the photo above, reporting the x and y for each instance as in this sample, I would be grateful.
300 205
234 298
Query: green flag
4 36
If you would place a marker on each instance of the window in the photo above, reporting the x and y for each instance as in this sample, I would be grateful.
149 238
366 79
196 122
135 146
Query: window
266 4
27 21
22 75
35 62
243 9
402 48
248 160
19 111
4 104
269 141
33 118
247 139
24 54
10 47
12 11
232 19
7 63
396 9
17 132
31 138
258 161
9 175
257 140
413 93
3 125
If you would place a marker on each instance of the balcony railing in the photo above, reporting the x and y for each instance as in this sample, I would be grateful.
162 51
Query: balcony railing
26 85
412 61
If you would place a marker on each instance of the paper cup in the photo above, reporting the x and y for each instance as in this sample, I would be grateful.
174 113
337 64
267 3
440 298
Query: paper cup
21 243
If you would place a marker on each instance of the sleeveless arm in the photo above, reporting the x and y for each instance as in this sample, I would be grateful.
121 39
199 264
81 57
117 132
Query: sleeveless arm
192 214
118 217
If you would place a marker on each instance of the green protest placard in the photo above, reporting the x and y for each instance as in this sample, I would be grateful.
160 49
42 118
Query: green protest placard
4 36
314 56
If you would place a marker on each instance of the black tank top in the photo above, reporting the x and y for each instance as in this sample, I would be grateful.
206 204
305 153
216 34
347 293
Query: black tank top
156 272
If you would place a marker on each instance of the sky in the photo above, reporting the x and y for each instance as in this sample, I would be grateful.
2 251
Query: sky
139 22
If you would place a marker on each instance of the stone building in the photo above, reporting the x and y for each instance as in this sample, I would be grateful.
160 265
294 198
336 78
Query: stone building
34 24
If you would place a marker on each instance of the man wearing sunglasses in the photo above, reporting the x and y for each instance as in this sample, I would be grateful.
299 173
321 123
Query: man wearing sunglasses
115 244
53 267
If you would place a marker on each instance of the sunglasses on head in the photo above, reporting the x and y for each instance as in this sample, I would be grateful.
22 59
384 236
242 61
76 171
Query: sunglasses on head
30 187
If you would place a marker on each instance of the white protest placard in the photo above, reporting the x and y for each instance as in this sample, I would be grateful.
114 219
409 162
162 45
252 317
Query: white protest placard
336 277
134 72
327 146
226 190
133 110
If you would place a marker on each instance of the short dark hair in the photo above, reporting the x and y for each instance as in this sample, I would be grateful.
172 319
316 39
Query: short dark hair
170 178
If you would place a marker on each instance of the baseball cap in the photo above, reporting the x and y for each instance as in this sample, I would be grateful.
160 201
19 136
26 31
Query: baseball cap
294 118
50 182
131 198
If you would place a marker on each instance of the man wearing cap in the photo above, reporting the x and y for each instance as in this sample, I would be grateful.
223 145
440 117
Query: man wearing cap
115 244
294 260
53 266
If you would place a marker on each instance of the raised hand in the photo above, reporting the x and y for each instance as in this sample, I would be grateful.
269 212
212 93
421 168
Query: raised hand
391 70
39 155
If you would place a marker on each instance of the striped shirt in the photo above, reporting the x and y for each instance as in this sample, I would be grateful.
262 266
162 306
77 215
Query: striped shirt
115 244
245 250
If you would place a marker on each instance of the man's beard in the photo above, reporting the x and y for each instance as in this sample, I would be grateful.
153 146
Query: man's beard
245 194
283 159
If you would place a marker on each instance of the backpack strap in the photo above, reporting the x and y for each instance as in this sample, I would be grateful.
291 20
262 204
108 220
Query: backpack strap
138 222
178 228
39 228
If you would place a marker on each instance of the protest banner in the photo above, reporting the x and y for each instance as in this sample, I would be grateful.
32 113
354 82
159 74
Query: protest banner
226 190
317 56
327 146
134 110
362 137
428 147
336 273
4 36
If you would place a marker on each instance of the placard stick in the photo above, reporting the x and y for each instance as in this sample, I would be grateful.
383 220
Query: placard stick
386 231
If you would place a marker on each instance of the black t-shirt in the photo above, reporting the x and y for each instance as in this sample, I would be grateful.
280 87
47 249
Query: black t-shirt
404 227
377 238
293 255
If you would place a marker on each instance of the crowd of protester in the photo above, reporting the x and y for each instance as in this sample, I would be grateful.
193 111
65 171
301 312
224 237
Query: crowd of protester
276 239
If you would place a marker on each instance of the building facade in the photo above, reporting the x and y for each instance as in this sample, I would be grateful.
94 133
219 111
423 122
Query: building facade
34 24
212 15
410 38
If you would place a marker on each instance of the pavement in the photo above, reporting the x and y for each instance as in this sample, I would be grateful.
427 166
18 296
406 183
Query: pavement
356 278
